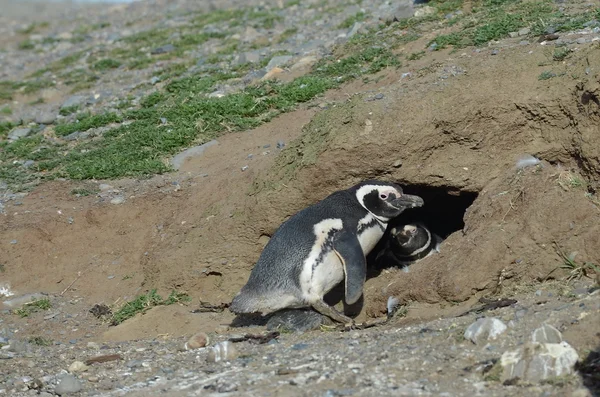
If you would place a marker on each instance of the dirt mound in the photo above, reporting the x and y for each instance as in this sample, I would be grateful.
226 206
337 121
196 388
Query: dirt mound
451 130
463 138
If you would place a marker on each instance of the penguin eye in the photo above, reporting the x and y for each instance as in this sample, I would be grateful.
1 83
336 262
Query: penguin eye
383 196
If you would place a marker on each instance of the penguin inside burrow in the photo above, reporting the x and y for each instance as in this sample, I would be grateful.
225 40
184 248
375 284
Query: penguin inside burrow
321 246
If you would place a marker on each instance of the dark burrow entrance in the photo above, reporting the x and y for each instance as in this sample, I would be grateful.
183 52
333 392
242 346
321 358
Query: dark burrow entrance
442 214
443 211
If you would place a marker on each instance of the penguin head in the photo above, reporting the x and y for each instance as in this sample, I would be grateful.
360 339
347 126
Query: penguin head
385 200
404 235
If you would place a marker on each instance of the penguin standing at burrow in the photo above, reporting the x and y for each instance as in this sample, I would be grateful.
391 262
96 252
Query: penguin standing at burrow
321 246
406 244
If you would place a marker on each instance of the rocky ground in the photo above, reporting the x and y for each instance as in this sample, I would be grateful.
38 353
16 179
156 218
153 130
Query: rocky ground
149 150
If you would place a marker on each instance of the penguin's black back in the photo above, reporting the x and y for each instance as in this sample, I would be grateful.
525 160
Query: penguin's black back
280 263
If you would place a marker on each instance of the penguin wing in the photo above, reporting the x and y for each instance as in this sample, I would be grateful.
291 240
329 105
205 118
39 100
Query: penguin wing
348 249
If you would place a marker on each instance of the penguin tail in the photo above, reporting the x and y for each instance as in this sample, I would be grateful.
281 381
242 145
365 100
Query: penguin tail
248 302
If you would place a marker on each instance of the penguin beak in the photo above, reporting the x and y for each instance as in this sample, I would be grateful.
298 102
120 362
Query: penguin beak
408 201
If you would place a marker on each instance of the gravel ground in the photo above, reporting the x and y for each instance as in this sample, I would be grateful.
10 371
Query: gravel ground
429 358
432 357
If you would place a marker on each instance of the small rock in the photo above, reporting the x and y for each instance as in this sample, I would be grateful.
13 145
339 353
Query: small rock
379 96
134 364
19 133
163 49
77 366
223 351
546 334
354 29
248 57
18 346
271 74
154 80
67 384
484 329
524 31
28 163
178 160
495 52
401 10
425 11
118 200
45 117
538 361
513 34
197 341
397 164
104 187
582 40
278 61
74 100
305 62
244 168
280 144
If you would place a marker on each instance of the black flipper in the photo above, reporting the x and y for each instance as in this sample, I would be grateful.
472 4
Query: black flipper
347 248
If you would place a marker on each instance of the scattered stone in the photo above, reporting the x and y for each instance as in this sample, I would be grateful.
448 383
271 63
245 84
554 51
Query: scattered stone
354 29
495 52
272 74
178 160
248 57
18 346
45 116
223 351
154 80
538 361
425 11
19 133
244 168
74 100
303 63
524 32
117 200
68 384
28 163
278 61
197 341
513 34
484 329
280 144
397 164
104 187
400 10
546 334
163 49
77 366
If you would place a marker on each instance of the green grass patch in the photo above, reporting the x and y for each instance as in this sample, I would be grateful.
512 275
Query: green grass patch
83 192
495 19
105 64
69 110
87 121
145 302
33 307
6 110
26 45
178 116
416 55
40 341
33 27
5 127
546 75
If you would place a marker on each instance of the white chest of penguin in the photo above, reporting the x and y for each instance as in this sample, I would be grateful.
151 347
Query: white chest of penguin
370 232
322 268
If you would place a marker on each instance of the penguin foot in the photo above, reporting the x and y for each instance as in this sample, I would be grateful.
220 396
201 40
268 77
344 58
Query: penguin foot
330 312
